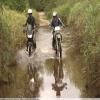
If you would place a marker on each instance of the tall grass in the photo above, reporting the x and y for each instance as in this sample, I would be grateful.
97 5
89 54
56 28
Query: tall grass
84 25
12 39
15 23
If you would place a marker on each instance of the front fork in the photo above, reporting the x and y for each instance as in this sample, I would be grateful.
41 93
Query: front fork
53 41
58 49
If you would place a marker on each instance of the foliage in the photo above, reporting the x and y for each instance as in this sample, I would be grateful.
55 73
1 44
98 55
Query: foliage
84 25
11 38
11 34
19 5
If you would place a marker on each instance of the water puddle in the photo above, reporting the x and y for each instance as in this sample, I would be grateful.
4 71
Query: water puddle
48 77
55 79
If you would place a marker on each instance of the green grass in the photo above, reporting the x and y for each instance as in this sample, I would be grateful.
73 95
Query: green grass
15 23
12 39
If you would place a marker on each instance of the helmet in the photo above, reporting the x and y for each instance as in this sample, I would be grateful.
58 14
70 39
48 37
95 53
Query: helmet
29 11
32 80
54 13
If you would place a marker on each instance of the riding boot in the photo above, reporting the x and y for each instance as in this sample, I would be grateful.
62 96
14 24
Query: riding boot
53 43
27 46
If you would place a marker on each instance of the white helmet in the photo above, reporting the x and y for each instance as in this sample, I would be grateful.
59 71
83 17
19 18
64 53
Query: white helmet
32 80
29 11
54 13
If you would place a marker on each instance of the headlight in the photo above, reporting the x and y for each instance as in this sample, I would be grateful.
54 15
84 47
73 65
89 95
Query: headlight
57 28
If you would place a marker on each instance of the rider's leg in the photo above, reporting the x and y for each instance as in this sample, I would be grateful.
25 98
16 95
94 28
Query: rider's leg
33 40
34 43
53 41
27 45
52 38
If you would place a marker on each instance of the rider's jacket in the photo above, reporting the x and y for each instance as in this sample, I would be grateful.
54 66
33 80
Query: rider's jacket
31 21
56 22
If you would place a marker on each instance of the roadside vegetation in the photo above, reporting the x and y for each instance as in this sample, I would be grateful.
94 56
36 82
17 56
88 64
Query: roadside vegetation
12 38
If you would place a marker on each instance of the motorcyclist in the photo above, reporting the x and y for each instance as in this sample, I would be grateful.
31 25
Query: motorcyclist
30 23
56 21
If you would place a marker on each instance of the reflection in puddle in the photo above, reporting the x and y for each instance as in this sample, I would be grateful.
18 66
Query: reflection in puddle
42 80
58 73
57 82
35 81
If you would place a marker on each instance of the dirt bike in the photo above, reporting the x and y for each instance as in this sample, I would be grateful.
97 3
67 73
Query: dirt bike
31 43
57 38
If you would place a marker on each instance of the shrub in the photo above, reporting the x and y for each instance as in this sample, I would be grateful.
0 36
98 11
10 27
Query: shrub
11 39
19 5
83 21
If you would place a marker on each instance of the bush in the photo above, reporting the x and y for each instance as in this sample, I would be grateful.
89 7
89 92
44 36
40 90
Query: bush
63 12
15 23
83 22
11 39
19 5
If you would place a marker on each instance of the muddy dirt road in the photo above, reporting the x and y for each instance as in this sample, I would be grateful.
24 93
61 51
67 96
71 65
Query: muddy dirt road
45 60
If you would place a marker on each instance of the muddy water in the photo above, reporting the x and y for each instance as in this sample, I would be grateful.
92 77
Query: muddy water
45 60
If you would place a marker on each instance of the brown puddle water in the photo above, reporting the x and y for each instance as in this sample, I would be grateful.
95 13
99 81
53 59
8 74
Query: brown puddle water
52 79
51 69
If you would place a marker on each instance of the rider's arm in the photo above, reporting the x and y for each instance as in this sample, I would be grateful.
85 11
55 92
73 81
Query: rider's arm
26 22
34 23
61 37
52 23
61 23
